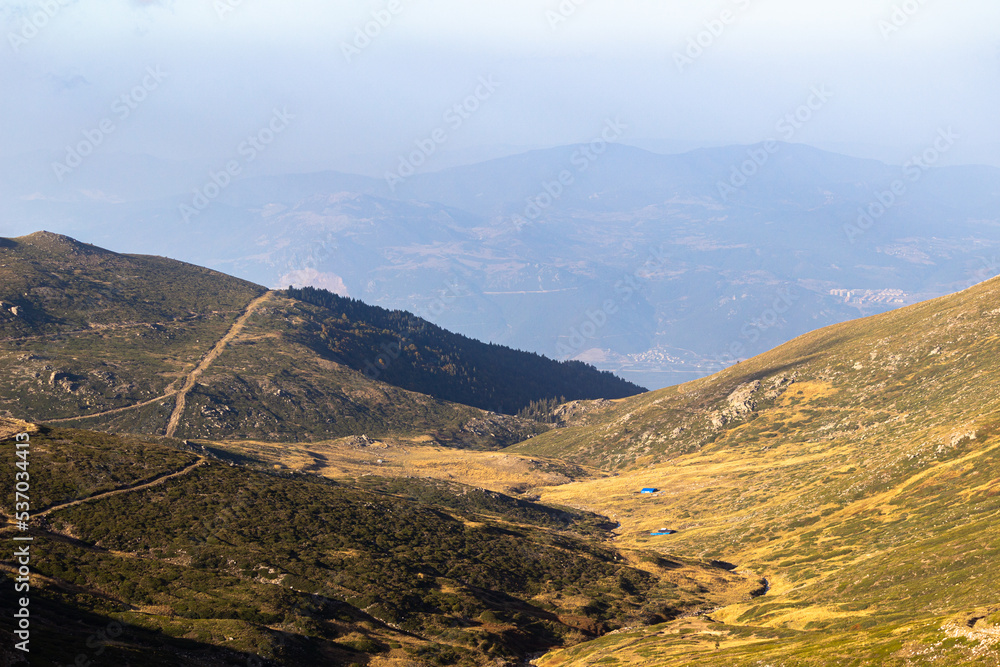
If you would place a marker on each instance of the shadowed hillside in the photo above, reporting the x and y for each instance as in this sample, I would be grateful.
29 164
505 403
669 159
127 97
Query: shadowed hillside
404 350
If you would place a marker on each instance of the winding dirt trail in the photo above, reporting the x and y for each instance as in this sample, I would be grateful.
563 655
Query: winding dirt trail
208 360
189 381
129 489
168 394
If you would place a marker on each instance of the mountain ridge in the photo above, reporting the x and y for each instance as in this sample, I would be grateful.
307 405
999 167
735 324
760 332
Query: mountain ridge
788 358
527 280
98 338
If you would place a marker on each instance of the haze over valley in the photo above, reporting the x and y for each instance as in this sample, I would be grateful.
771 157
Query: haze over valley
643 264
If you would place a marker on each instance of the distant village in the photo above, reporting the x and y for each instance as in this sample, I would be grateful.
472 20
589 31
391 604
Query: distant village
868 296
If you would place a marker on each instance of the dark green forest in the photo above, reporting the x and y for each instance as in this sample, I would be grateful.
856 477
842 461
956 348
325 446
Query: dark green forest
399 348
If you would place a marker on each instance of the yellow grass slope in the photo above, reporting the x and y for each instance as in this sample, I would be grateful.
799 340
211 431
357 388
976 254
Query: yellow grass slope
856 468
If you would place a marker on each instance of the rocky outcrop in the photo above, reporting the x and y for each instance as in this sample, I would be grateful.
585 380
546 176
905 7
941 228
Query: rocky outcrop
739 404
573 411
743 401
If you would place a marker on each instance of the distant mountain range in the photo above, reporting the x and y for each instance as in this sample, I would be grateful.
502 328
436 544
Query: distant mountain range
660 267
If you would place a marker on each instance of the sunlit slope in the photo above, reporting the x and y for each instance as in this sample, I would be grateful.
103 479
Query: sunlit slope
856 468
924 371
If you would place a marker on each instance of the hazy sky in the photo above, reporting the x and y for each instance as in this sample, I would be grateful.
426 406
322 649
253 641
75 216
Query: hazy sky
897 71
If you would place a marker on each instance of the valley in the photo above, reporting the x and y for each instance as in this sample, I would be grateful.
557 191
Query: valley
500 334
244 491
420 457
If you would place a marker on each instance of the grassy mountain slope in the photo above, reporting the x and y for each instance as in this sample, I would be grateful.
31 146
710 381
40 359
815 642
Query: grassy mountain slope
85 330
61 285
217 563
149 345
855 468
270 383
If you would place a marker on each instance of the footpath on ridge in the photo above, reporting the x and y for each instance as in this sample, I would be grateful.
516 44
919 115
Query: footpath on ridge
190 380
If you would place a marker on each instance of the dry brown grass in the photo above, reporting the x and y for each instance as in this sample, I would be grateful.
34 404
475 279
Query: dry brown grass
354 457
11 427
